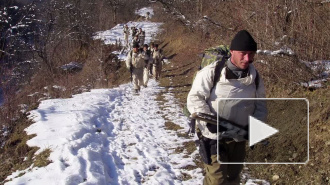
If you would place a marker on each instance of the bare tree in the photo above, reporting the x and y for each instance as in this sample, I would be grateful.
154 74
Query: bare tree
16 27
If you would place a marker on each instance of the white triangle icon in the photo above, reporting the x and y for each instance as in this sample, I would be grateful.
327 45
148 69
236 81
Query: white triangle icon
259 131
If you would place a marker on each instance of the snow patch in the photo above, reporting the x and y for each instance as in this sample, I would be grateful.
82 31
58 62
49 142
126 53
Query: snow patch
116 34
72 66
109 136
144 12
59 87
282 51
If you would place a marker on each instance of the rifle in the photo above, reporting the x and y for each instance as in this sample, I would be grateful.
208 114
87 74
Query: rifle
226 128
131 71
131 66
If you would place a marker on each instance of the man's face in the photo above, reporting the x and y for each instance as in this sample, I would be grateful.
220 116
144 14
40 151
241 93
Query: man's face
242 59
135 49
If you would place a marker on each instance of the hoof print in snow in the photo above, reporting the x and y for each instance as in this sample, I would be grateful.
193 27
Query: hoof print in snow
138 176
153 168
98 130
184 177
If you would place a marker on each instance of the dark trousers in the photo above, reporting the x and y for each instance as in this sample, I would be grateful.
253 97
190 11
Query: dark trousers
217 173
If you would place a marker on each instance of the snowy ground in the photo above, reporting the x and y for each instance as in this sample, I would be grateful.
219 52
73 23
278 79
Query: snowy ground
116 34
143 12
109 136
320 67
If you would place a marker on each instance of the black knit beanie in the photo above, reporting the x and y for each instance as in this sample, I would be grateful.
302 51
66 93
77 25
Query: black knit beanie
243 41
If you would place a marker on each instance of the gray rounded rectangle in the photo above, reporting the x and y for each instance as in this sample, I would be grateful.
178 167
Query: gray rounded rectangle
290 145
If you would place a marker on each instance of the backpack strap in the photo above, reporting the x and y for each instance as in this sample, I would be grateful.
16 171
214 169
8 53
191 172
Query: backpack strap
131 53
217 72
256 81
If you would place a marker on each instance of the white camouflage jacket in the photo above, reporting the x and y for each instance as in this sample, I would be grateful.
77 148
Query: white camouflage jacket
200 99
157 57
136 59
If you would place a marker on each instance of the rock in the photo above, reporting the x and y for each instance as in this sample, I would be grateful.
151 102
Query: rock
327 143
72 67
294 155
275 177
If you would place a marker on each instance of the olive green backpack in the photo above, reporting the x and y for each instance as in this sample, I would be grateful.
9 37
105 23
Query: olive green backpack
219 53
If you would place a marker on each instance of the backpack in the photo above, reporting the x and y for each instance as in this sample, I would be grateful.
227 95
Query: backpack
136 65
159 59
219 53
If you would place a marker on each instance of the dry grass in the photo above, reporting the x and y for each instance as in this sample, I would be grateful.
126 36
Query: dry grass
15 149
172 126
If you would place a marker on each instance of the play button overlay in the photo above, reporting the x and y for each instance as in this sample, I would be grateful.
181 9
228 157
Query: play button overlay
259 131
277 130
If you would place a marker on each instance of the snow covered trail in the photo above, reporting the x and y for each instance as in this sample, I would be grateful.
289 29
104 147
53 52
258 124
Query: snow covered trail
109 136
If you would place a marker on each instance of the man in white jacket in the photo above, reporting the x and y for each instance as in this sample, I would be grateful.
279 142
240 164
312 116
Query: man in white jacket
126 33
238 79
135 64
157 58
147 59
